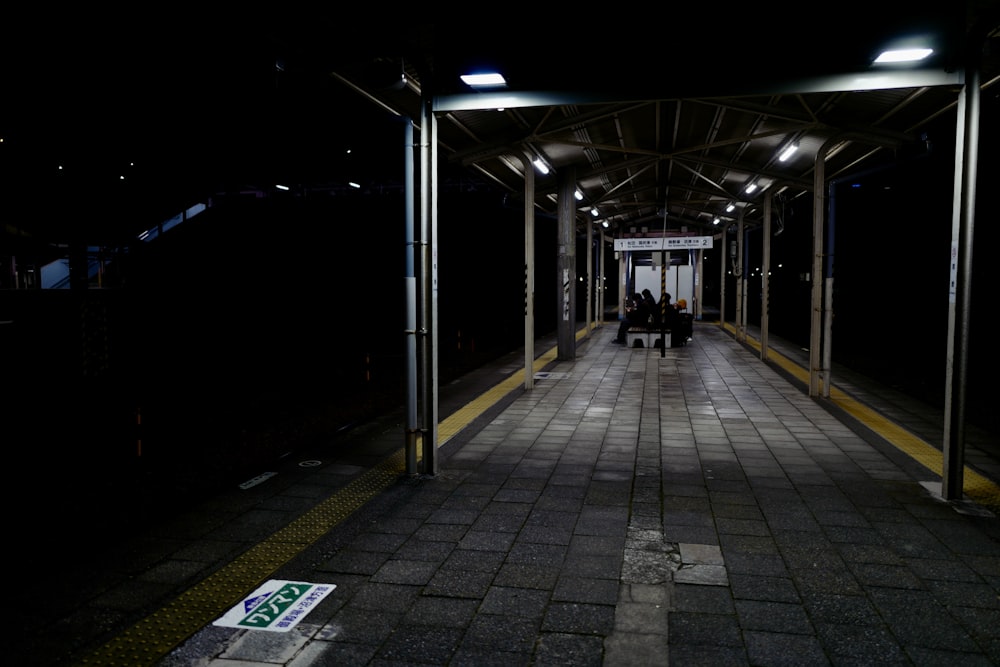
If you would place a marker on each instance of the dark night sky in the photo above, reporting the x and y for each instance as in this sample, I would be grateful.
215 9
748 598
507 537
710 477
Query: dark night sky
179 112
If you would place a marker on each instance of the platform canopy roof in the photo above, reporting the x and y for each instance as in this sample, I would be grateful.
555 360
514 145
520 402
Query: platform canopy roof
665 115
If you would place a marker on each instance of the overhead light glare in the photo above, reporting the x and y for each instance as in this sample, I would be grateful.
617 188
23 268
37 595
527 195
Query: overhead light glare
716 221
578 195
353 184
605 224
484 80
903 55
751 187
540 166
594 212
788 152
730 207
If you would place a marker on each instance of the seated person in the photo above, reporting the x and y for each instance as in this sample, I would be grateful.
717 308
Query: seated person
652 307
685 322
670 313
636 315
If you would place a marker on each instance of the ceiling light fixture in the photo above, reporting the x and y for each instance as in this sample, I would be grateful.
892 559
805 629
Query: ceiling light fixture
716 221
750 187
594 212
540 166
578 195
730 207
484 80
903 55
788 152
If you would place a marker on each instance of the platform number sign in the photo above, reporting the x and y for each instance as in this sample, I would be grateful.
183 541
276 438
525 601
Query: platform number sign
668 243
276 606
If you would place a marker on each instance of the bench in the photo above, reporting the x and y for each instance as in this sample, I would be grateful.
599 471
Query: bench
645 337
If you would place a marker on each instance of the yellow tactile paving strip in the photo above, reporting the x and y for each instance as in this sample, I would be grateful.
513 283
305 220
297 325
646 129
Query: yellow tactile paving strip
464 415
154 637
151 639
978 488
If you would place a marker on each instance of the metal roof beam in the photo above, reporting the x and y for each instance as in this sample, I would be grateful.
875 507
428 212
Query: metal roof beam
855 82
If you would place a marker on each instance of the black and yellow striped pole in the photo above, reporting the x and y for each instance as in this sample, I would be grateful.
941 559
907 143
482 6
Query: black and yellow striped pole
663 302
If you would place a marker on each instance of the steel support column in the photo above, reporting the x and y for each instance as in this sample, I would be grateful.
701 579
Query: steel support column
410 290
529 271
960 291
741 280
816 371
765 279
428 285
566 321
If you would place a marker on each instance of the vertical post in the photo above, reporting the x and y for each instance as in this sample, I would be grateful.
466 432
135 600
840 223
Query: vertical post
744 273
723 261
590 274
765 278
529 271
623 282
960 294
663 300
410 288
428 275
828 294
600 276
566 325
699 283
741 315
816 371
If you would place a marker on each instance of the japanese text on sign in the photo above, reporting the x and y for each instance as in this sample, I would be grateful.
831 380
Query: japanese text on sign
277 606
669 243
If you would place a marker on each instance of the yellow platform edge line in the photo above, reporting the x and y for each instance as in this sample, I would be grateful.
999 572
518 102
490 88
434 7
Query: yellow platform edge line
462 417
978 488
135 645
153 637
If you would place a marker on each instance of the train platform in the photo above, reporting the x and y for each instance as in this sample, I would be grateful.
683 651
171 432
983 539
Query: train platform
636 507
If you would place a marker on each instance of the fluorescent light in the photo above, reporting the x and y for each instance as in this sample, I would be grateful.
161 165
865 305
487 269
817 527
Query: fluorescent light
281 187
578 195
788 152
540 166
716 221
484 80
594 212
730 207
751 187
605 224
903 55
353 184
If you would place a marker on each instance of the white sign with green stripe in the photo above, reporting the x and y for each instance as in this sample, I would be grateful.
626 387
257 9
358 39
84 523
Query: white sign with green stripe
277 606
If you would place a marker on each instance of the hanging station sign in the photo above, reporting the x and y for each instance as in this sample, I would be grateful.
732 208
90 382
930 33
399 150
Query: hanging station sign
669 243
